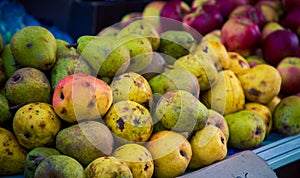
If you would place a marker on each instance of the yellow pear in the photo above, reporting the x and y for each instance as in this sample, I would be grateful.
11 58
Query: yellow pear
208 146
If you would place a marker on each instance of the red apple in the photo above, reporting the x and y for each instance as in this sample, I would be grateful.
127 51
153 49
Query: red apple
175 9
292 20
130 17
227 6
241 35
289 69
252 12
204 19
172 13
278 45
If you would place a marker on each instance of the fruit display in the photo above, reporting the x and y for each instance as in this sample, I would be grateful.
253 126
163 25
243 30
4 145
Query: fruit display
160 94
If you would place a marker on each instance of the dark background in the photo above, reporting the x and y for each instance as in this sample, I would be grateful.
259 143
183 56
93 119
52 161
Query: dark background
83 17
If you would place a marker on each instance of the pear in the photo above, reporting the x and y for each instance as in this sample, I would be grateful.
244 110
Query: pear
12 154
111 30
209 145
214 51
218 120
105 54
59 166
34 157
247 130
286 116
155 68
143 28
5 113
140 51
34 46
263 111
68 65
260 83
36 125
64 48
28 85
203 69
180 111
226 96
131 86
273 103
9 62
137 157
129 121
176 44
237 62
81 97
85 141
107 167
171 153
175 79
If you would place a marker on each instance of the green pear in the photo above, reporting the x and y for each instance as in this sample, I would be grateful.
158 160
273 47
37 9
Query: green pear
129 121
108 167
106 55
202 68
140 51
12 154
28 85
59 166
34 46
247 130
176 44
68 65
5 113
64 48
9 62
179 110
83 41
131 86
143 28
286 115
85 141
175 79
34 157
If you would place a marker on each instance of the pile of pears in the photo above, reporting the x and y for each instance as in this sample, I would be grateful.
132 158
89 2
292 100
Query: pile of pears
130 102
